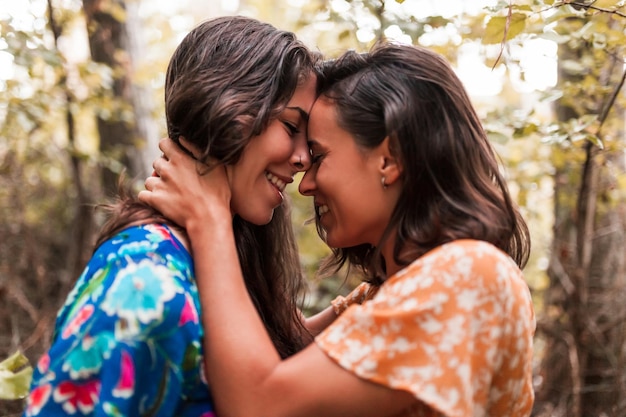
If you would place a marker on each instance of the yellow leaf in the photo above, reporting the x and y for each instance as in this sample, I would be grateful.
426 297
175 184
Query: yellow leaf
498 26
15 377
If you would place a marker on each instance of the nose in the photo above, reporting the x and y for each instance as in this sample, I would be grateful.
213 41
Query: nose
308 185
301 157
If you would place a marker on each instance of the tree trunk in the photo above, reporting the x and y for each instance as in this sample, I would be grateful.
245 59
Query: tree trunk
109 43
143 102
79 247
584 327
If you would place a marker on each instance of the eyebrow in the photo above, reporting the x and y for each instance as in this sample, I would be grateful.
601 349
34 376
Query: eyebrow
312 142
303 114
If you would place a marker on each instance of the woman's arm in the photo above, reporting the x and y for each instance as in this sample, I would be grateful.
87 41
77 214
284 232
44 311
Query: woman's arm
248 376
318 322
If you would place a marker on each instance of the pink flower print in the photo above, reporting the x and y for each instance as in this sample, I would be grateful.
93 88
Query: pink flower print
44 363
189 313
78 320
160 230
37 399
126 384
77 396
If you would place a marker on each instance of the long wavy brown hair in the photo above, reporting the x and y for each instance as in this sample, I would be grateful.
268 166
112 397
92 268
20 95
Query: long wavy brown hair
225 82
452 186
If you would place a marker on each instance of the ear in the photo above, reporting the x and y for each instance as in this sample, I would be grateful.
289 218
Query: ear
389 166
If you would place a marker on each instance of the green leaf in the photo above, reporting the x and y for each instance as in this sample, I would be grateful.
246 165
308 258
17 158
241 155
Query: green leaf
497 27
15 377
577 137
572 67
497 137
585 121
551 35
525 130
552 95
522 7
562 14
344 34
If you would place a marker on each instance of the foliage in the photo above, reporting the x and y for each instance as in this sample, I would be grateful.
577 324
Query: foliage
15 376
38 185
582 329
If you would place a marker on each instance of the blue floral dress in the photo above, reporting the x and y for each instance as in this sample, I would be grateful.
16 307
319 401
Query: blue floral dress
128 341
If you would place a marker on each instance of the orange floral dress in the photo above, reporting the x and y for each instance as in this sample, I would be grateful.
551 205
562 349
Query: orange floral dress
455 328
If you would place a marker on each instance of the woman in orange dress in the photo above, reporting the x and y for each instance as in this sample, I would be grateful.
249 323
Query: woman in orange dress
407 188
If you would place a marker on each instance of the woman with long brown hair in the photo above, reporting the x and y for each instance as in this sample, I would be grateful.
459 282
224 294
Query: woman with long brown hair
128 340
407 188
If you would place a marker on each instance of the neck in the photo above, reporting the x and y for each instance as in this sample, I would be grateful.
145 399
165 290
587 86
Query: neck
387 252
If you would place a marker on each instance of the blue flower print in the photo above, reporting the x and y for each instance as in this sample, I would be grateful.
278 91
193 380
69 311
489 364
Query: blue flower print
86 359
133 248
140 291
128 341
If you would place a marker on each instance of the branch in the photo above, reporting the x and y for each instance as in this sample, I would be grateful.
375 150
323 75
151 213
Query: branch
581 5
574 361
506 32
22 301
609 106
588 6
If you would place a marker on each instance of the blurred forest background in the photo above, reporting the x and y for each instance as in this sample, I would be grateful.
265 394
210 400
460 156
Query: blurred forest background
81 84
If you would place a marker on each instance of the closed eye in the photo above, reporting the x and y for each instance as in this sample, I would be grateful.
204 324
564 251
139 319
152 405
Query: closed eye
316 157
316 151
293 130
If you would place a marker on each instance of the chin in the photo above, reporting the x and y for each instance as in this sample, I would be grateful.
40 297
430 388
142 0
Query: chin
339 242
260 220
336 243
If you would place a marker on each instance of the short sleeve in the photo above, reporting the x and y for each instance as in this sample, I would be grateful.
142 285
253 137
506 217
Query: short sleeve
121 351
454 328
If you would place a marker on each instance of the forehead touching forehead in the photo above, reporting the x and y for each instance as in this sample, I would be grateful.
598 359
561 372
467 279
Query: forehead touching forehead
352 84
322 120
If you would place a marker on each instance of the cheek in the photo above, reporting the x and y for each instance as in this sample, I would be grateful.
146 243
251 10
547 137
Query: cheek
277 145
283 153
236 194
243 180
282 148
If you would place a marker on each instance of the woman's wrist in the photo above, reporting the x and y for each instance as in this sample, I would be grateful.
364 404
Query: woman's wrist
216 221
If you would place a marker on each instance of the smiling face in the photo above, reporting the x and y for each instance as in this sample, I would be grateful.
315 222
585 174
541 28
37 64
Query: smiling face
270 160
345 180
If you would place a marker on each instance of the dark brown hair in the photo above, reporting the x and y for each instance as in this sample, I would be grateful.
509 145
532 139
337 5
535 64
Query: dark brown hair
225 82
452 187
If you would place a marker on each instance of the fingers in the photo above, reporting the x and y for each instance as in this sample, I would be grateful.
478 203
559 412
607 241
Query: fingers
169 148
151 183
147 195
158 166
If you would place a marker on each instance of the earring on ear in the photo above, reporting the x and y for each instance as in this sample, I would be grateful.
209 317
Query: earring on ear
382 181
